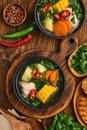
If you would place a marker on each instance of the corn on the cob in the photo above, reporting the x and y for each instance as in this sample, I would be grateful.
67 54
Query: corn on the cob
45 93
57 6
65 3
61 5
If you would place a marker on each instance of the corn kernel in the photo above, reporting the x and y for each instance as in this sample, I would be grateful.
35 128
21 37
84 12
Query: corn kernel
45 93
61 5
66 3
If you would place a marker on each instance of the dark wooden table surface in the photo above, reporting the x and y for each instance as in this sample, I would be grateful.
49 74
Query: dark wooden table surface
39 41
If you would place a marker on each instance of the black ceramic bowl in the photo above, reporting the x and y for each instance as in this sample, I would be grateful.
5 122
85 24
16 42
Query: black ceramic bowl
17 89
38 20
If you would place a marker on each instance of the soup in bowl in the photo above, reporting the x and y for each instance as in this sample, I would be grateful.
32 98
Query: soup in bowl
38 83
59 18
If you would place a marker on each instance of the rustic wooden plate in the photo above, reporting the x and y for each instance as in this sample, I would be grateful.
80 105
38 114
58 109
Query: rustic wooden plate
77 93
66 47
69 64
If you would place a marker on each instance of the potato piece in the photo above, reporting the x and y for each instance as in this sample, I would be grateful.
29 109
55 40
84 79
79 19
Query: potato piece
41 68
27 74
48 24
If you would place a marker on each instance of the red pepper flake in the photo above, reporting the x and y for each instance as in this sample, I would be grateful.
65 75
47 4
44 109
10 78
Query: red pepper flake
14 14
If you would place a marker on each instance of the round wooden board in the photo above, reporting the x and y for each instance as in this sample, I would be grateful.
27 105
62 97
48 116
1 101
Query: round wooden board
77 93
60 58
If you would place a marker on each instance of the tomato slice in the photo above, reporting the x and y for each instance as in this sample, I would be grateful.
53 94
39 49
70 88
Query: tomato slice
61 18
46 7
56 16
36 74
66 13
32 93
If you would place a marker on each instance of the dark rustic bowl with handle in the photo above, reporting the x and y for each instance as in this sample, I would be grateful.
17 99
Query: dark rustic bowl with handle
66 86
18 90
76 24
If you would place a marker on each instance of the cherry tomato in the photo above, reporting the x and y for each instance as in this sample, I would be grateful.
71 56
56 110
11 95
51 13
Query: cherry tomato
32 93
61 18
66 13
46 7
36 74
56 16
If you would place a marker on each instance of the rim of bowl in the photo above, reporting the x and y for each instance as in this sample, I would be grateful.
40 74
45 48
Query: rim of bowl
50 34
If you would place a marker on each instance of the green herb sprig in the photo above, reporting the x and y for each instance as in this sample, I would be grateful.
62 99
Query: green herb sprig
79 60
63 121
76 7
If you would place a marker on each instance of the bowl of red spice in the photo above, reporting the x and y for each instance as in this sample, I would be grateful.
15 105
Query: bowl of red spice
14 14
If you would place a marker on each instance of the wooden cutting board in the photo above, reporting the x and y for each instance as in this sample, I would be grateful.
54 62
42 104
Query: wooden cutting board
66 47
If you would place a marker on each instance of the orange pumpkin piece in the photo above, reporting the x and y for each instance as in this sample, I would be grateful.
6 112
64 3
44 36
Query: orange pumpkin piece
69 26
47 75
60 28
53 75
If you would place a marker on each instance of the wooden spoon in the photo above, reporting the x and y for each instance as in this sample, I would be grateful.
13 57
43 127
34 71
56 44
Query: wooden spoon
22 124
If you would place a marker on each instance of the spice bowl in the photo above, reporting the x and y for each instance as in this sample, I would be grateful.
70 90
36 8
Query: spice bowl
14 14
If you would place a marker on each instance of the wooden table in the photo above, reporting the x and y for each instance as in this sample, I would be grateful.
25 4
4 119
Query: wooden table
39 41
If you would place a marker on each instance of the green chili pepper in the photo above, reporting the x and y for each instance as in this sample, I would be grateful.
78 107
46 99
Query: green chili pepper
21 33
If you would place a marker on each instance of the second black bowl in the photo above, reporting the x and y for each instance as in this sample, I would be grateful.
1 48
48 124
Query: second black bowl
17 89
38 20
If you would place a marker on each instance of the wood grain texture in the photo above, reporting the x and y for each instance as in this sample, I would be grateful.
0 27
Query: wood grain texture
39 41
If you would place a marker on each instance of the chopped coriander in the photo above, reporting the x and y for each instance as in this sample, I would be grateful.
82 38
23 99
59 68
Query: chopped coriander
34 102
73 20
77 9
79 60
63 121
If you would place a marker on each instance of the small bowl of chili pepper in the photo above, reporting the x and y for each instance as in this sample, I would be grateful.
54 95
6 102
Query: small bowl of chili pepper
14 14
